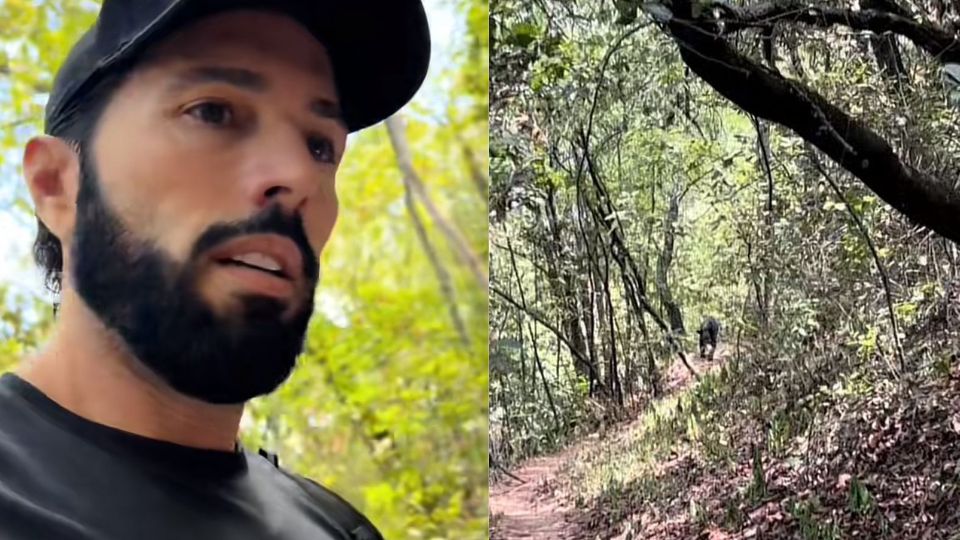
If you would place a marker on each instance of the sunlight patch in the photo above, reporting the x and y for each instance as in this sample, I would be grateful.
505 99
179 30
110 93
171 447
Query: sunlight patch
333 307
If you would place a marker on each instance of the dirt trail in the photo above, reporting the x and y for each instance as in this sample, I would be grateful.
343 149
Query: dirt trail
532 509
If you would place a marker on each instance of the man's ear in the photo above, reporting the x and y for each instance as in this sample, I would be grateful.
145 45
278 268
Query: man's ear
52 171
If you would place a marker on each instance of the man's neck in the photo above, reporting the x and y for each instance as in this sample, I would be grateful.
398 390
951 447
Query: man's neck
85 370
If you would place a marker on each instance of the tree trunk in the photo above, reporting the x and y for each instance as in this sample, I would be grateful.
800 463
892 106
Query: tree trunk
666 259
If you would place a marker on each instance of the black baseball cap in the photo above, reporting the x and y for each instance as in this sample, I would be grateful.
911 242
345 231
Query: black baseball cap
380 49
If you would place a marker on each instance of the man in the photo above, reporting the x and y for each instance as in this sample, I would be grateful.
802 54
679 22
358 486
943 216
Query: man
709 333
184 190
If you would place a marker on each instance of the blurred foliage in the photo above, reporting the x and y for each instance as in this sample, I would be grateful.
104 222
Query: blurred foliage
388 404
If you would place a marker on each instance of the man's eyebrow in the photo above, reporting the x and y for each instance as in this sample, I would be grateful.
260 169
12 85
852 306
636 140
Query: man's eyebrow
248 80
327 109
243 78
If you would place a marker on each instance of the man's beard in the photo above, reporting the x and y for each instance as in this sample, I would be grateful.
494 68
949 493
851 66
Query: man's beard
153 303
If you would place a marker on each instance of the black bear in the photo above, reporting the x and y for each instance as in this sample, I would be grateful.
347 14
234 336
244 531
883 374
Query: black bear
709 333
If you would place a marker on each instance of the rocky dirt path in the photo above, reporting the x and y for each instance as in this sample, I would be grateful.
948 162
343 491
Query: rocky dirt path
528 507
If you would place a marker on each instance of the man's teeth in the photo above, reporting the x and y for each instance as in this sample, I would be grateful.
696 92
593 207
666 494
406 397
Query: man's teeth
259 260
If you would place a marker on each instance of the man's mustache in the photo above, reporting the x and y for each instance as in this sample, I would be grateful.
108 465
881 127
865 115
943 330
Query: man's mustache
273 220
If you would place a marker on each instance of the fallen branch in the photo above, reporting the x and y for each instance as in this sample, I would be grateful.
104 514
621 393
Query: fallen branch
496 465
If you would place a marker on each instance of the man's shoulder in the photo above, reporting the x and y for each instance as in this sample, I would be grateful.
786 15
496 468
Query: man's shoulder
332 506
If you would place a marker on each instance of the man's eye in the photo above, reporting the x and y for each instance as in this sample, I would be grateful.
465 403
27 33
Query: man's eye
217 114
321 149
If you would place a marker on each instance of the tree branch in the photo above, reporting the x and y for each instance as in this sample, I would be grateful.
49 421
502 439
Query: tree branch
759 91
577 355
885 281
395 129
443 276
939 43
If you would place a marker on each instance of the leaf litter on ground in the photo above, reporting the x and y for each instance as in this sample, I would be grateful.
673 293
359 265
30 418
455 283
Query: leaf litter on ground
880 459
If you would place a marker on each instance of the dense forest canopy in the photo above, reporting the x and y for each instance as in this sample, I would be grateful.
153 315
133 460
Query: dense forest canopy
790 168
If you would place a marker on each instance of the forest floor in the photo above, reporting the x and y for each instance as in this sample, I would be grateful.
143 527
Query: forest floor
530 507
861 457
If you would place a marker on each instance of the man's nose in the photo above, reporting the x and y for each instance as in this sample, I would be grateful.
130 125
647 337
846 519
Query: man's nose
281 170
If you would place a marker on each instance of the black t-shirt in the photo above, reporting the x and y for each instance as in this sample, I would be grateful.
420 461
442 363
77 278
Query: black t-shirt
65 477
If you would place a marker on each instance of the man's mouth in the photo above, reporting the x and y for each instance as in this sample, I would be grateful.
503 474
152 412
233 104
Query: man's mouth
257 261
267 253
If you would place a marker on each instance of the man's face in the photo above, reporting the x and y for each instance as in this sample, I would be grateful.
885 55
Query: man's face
206 197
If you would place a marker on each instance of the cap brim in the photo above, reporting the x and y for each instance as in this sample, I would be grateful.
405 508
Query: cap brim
380 49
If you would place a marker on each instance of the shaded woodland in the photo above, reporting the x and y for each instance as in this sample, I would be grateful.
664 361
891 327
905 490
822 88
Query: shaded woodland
788 167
